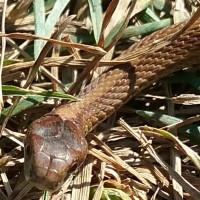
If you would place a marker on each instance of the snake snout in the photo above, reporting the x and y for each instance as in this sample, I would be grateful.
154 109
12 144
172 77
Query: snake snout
52 147
46 173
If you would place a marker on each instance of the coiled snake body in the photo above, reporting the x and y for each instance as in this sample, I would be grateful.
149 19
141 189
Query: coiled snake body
56 142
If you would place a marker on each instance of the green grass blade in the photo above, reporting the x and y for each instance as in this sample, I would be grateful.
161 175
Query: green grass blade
39 14
26 103
16 91
146 28
96 14
22 106
186 78
53 17
192 131
112 194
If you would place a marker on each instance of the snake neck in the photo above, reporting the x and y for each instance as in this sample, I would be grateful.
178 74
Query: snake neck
101 98
105 95
118 84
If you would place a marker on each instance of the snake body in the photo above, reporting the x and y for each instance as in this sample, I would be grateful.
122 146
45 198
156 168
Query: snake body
55 143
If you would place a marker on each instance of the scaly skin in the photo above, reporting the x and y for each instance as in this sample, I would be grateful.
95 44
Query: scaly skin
56 142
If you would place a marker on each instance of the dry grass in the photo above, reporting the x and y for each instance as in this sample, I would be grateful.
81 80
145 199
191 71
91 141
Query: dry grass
134 158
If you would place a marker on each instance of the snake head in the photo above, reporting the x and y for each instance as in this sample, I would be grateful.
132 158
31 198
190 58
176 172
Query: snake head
53 146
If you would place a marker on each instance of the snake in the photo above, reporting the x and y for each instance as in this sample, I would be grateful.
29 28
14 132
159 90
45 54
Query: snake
55 144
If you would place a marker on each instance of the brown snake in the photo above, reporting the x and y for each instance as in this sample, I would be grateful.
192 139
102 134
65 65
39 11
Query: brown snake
56 142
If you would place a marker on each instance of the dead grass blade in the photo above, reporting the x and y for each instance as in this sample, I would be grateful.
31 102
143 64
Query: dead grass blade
99 190
114 159
28 36
81 183
153 46
6 183
19 11
66 61
187 99
144 142
20 191
76 86
187 25
36 66
3 48
180 145
114 20
16 137
2 195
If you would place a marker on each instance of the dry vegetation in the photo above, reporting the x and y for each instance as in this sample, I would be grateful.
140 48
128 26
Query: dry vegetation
135 158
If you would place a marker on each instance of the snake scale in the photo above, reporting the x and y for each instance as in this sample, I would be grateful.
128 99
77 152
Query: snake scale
56 142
